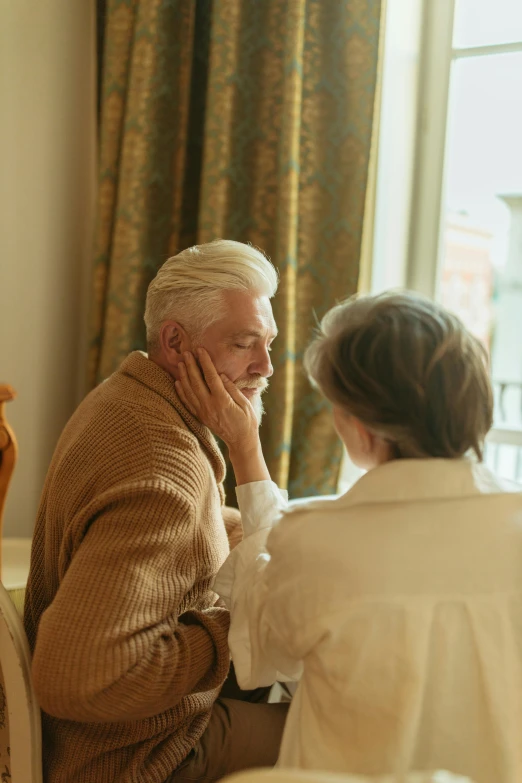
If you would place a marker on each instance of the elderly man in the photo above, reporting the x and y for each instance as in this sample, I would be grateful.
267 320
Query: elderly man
130 648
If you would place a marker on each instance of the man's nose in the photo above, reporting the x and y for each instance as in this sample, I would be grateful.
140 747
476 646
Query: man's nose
263 365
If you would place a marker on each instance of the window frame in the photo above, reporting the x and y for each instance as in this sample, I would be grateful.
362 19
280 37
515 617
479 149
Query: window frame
437 55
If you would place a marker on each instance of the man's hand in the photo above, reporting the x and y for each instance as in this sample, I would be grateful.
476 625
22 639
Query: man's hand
216 401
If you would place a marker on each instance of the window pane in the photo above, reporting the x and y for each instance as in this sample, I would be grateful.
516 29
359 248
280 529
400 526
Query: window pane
482 22
505 460
481 260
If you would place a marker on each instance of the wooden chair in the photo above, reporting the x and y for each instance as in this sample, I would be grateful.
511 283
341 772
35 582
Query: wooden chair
20 727
23 713
8 455
14 552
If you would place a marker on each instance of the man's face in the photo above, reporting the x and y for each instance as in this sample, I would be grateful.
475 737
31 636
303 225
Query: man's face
239 343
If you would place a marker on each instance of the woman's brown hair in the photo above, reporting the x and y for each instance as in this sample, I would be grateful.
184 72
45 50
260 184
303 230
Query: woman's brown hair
408 370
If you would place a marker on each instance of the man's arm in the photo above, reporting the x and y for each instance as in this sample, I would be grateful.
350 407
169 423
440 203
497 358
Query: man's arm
111 646
260 648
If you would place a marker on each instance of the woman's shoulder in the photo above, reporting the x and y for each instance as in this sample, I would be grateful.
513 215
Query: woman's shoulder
311 504
306 521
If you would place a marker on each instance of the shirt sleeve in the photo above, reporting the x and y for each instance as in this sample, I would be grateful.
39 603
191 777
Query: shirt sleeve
261 504
117 643
253 590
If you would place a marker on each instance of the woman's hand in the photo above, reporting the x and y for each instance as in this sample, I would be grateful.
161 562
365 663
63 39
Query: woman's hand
217 402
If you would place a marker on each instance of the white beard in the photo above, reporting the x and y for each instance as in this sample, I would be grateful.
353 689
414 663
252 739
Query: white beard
256 402
259 408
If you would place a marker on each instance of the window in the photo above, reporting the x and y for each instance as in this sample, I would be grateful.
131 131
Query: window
480 261
466 219
448 204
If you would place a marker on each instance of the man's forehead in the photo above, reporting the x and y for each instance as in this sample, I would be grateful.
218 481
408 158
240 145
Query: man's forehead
248 316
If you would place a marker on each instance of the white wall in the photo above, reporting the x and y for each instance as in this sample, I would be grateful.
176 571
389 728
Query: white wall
47 173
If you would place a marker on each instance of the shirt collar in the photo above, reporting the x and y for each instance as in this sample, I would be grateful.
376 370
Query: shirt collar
408 480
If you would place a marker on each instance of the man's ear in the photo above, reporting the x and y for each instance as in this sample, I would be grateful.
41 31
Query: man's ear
174 340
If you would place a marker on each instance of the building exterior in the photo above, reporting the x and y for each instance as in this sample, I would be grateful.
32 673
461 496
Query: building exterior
466 282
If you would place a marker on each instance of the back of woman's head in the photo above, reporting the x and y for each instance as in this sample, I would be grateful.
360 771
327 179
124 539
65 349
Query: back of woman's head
408 370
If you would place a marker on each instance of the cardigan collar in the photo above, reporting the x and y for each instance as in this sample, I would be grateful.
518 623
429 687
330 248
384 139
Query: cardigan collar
138 366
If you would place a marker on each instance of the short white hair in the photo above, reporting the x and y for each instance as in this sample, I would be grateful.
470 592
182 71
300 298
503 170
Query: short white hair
188 287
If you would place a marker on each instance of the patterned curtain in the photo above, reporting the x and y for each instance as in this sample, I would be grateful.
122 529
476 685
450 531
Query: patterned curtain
154 77
260 133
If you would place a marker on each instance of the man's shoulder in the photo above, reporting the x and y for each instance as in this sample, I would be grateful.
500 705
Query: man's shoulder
117 434
123 395
127 392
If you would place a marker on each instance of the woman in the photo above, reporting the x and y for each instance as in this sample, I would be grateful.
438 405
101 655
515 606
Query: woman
399 604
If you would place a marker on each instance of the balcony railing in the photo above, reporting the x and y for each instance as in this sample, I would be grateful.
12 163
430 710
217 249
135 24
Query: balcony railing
504 442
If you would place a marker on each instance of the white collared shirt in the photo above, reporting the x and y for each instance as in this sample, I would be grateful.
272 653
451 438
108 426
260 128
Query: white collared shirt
399 607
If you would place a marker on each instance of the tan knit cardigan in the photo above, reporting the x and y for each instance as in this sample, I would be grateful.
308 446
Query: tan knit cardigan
129 652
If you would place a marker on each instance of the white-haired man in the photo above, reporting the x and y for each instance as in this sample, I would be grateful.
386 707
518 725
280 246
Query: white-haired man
129 649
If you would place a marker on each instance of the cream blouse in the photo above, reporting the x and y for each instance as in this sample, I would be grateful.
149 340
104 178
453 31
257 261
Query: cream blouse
398 607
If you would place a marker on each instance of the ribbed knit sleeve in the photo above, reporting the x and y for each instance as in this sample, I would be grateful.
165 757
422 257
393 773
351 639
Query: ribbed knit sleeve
117 642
